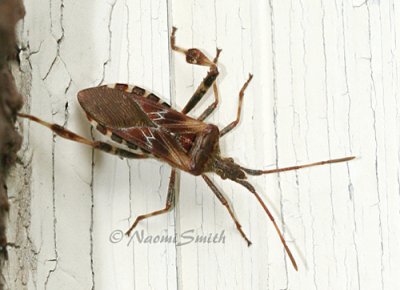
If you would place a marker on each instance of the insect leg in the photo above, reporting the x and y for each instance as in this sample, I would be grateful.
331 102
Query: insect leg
232 125
225 203
64 133
270 216
170 203
195 56
207 112
202 90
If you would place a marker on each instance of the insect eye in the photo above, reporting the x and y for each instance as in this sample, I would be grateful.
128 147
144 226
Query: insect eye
222 174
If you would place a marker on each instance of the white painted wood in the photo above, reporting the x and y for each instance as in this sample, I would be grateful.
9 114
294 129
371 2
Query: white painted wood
325 86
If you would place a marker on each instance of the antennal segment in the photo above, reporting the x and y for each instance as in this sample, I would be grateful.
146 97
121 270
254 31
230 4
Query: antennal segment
260 172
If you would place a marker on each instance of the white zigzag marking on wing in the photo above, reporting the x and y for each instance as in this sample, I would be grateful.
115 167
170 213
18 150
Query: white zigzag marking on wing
160 115
149 138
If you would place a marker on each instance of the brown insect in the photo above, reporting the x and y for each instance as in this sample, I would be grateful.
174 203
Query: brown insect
141 126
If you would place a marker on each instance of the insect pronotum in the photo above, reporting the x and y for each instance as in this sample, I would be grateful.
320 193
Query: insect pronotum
141 125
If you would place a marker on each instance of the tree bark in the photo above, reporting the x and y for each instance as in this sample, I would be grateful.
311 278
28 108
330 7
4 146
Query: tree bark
10 102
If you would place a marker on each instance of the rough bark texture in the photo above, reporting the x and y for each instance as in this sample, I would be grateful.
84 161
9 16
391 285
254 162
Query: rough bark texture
10 102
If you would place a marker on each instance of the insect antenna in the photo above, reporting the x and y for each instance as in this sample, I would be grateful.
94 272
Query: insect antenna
270 216
267 211
268 171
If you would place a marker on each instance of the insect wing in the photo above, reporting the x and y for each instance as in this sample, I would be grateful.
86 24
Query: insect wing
159 143
113 108
152 126
170 119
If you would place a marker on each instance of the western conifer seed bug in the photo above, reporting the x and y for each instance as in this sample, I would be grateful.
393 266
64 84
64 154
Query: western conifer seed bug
140 125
